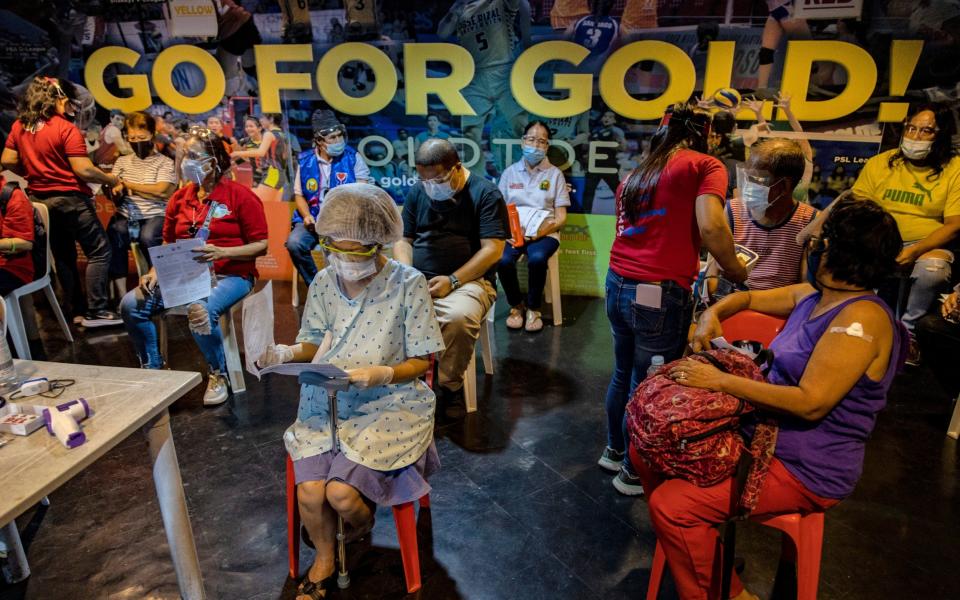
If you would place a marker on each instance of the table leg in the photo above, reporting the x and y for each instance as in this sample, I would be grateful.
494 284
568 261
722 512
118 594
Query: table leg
17 564
173 507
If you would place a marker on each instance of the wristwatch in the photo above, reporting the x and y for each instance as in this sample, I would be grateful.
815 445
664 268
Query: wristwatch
454 282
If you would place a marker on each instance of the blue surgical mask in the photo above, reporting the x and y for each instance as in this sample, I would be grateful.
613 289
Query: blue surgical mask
438 191
533 155
755 198
915 149
336 149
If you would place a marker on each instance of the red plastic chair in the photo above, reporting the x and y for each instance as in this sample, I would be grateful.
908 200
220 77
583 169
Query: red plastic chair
404 516
803 534
752 325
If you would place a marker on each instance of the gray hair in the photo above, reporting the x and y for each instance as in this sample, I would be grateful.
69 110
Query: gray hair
781 157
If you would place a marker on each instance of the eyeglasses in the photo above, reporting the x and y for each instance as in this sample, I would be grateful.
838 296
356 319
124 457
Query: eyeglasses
924 131
543 143
442 179
327 245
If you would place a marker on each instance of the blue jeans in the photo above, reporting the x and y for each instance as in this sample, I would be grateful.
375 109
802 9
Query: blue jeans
138 308
299 244
118 232
538 253
930 276
639 334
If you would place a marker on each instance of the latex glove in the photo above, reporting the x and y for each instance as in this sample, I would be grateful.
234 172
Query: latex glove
366 377
275 354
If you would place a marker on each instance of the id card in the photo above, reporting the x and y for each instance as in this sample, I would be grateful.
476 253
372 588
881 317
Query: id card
649 295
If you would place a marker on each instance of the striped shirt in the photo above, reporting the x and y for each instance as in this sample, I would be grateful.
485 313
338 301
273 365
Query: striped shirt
153 169
780 254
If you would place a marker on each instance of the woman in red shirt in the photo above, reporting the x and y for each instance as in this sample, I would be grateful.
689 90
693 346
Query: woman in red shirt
49 151
665 208
233 220
16 238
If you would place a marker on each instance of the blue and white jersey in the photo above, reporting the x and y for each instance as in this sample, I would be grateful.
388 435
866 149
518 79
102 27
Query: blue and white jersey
596 34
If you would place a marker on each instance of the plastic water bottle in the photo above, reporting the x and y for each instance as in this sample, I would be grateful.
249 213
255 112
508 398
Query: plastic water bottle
8 374
655 363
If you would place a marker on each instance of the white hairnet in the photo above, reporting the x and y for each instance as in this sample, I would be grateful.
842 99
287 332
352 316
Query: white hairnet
360 212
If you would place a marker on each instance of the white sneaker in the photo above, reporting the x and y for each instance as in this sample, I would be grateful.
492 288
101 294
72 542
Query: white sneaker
216 389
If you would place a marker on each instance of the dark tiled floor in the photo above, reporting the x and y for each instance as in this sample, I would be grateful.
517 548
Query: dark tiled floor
519 510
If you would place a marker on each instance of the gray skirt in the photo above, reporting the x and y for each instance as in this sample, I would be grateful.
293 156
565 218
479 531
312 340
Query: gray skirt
385 488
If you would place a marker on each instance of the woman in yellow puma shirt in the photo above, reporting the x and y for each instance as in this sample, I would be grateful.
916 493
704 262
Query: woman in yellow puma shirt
919 184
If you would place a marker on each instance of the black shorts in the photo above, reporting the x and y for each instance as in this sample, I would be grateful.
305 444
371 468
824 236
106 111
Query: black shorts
242 39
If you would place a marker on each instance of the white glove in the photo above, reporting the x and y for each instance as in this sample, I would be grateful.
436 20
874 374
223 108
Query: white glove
366 377
275 354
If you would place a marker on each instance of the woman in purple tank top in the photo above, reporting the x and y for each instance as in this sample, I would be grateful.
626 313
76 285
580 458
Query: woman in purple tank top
833 364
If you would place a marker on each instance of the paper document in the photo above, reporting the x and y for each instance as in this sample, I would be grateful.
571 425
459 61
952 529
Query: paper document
721 343
531 219
329 371
257 326
180 277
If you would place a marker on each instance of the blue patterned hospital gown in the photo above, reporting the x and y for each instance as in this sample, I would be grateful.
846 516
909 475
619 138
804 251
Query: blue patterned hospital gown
386 427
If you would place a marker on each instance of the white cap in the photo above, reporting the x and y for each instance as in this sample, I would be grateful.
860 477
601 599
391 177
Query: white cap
656 360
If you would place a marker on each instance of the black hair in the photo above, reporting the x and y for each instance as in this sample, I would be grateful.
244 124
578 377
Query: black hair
864 242
533 124
275 118
781 157
140 120
942 151
436 151
601 8
687 127
724 123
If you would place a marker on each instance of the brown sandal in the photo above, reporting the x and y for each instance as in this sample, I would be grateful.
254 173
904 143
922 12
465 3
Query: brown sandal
315 590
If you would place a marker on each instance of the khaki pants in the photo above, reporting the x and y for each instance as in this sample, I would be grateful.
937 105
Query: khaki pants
460 315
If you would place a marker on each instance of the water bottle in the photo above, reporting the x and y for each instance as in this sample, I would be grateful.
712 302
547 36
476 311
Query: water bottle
655 363
8 374
133 228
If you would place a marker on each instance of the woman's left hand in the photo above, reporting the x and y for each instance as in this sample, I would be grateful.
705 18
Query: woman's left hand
367 377
210 253
693 373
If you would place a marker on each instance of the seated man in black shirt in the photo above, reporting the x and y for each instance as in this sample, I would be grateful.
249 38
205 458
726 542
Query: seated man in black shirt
454 227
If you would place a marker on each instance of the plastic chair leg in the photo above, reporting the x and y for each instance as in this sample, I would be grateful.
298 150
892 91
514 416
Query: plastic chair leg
425 501
295 289
470 384
552 291
487 342
16 328
231 350
405 519
293 523
656 572
954 429
809 548
52 300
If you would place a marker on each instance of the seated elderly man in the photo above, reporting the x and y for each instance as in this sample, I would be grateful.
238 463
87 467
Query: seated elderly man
766 218
454 227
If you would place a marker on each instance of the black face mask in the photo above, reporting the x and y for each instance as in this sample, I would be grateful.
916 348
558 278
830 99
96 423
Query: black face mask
142 149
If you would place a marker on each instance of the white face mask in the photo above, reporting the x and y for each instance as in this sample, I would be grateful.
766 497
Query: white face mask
915 149
350 270
755 198
438 191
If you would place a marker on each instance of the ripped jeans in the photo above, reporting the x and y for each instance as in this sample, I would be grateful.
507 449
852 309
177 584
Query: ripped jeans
138 309
929 276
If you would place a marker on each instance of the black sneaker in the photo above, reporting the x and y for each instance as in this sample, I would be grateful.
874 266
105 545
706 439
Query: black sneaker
913 353
101 318
610 460
451 405
627 483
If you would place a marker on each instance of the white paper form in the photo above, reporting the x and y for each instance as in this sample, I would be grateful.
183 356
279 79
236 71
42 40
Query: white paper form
181 278
531 219
257 326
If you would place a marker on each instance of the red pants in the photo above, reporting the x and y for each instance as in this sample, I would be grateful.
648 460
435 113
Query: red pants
685 516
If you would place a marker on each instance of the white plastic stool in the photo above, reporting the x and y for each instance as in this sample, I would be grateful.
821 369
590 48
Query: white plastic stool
486 347
14 319
231 348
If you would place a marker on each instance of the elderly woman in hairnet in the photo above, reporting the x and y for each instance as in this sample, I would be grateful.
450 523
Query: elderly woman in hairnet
373 317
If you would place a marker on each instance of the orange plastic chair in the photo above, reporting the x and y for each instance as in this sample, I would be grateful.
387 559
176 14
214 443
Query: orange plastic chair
404 516
803 534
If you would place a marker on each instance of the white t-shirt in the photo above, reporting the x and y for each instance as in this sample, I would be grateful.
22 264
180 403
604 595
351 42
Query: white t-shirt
542 186
155 168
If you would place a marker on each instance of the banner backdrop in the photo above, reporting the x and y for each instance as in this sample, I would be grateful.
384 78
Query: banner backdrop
476 71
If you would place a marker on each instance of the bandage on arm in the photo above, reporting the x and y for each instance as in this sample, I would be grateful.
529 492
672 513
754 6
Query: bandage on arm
855 329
